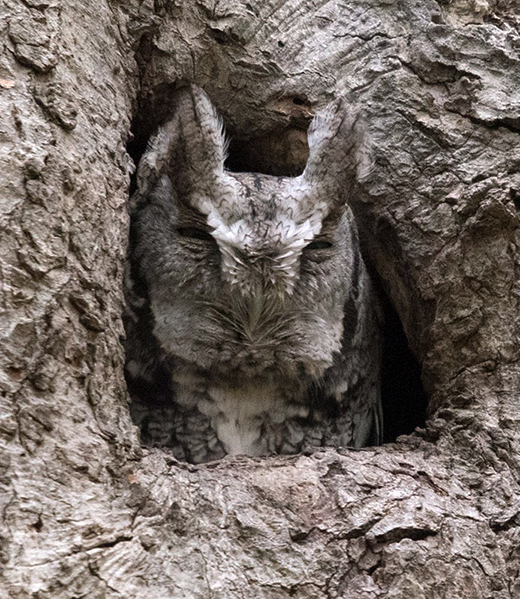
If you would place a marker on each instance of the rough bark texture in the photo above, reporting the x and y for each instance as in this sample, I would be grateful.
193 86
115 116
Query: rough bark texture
84 511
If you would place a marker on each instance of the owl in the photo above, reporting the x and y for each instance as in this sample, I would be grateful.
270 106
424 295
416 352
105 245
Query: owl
252 324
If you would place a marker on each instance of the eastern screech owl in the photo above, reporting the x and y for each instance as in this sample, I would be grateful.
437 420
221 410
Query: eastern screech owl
254 327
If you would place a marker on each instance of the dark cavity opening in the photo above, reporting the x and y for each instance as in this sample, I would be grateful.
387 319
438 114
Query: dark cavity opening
282 149
280 153
403 396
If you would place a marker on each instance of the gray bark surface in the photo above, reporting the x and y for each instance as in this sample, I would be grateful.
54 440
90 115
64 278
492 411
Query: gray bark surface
84 510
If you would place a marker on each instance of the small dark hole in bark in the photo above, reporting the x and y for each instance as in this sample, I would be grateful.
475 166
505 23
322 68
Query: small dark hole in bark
515 196
373 568
38 525
219 36
298 536
299 101
281 44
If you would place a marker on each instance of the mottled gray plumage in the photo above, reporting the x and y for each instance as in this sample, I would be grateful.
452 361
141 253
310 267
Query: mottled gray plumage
254 327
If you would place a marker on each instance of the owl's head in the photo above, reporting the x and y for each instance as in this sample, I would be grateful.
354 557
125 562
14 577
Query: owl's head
248 273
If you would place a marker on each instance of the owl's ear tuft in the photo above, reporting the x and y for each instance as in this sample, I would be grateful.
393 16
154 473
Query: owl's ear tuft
197 140
339 150
190 148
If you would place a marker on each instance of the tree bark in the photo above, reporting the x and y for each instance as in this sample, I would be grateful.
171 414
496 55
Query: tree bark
85 511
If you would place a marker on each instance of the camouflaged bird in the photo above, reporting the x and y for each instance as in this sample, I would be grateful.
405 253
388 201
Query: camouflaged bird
252 325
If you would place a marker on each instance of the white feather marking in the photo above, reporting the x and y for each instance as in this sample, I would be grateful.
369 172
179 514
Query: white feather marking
238 415
289 238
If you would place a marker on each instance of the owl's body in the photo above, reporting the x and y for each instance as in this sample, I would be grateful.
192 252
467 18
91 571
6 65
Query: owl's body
259 331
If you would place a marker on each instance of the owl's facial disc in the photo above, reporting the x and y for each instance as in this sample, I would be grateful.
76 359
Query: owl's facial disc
262 259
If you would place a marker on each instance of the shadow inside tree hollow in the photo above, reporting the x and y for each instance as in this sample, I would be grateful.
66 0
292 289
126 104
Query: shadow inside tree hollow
404 399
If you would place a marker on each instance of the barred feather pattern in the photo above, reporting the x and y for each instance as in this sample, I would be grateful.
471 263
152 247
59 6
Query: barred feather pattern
252 324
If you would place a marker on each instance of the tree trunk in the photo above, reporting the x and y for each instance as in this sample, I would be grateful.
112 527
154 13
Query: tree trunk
85 511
